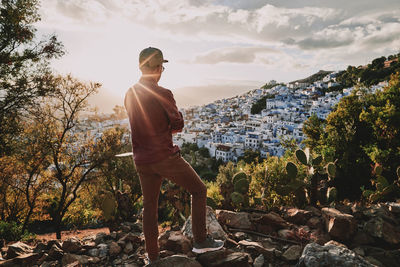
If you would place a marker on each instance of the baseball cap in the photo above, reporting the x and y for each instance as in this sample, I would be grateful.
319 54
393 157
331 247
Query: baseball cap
151 57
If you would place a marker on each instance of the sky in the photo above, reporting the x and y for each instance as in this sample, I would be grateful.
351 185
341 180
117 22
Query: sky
216 48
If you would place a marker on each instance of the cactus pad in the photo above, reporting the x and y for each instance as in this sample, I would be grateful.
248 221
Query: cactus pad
241 186
378 169
398 172
239 176
291 170
301 157
237 198
317 160
331 169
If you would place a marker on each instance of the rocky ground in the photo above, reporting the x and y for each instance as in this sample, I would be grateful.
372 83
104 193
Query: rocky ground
347 235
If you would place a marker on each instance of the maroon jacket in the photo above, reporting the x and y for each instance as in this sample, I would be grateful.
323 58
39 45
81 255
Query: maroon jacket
153 117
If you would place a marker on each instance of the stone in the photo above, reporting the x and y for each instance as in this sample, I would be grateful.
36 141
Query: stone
131 237
255 248
379 228
100 238
49 264
212 225
293 253
27 259
85 260
315 223
394 207
224 258
259 261
315 255
286 233
114 249
239 220
315 211
335 243
18 249
339 225
241 236
41 247
319 236
385 257
362 238
128 248
55 252
175 261
359 251
271 219
56 242
103 250
94 252
297 216
174 241
72 245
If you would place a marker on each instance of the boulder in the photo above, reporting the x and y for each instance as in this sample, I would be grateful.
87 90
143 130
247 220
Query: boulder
72 245
55 252
239 220
103 250
255 248
85 260
174 241
379 228
315 223
297 216
114 249
18 249
259 261
270 219
339 225
175 261
28 259
212 224
293 253
315 255
224 258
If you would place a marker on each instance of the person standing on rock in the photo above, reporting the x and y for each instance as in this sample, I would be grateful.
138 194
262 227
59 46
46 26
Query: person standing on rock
153 118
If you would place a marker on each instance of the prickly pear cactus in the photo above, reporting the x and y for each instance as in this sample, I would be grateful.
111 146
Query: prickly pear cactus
237 198
291 170
301 157
239 176
108 206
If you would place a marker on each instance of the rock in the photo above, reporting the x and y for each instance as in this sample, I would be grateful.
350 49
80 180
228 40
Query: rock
293 253
335 243
286 234
362 238
259 261
94 252
271 219
103 250
18 249
240 236
85 260
359 251
41 247
175 241
100 238
175 261
374 261
385 257
239 220
319 236
315 255
131 237
114 249
128 248
255 248
224 258
28 259
212 224
377 227
315 223
49 264
297 216
72 245
316 212
55 252
56 242
340 226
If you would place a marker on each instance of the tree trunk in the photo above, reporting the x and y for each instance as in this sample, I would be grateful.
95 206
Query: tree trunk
57 224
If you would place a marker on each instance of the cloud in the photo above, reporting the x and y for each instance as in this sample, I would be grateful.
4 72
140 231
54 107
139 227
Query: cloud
236 55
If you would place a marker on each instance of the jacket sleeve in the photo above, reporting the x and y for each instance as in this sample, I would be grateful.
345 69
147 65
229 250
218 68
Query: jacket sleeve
174 115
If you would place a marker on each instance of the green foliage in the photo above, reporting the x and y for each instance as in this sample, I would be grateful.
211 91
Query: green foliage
291 170
257 107
108 206
315 77
12 231
250 156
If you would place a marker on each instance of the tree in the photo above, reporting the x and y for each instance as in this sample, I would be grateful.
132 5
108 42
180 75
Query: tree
24 65
313 128
75 153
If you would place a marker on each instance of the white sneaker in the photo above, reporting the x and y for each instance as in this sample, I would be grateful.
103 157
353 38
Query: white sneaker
210 244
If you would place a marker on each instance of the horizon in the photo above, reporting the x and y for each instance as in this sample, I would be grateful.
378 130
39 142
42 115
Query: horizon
216 49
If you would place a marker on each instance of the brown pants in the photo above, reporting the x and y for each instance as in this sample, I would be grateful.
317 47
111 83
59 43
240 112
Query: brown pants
179 171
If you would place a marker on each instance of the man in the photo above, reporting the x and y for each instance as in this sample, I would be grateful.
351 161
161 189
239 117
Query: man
153 118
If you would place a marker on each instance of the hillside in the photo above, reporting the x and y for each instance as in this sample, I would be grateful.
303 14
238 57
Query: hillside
315 77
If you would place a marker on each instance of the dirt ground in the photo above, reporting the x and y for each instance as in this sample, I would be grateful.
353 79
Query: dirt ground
73 233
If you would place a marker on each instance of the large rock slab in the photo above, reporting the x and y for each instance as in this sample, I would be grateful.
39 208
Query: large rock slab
379 228
339 225
175 261
212 224
239 220
297 216
21 260
175 241
72 245
270 219
315 255
18 249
